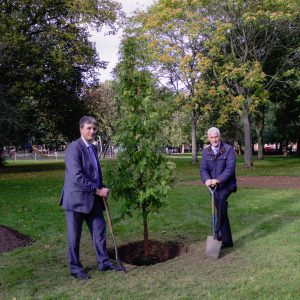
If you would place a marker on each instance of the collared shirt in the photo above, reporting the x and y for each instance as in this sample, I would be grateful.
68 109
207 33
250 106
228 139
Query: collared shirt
215 149
85 142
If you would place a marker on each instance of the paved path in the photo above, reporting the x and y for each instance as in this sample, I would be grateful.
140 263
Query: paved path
280 182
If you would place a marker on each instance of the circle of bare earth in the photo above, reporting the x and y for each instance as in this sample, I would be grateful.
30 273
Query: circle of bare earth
133 253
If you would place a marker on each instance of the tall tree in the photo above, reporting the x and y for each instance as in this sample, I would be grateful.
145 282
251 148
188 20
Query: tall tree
50 60
247 34
176 32
102 103
177 129
143 176
286 101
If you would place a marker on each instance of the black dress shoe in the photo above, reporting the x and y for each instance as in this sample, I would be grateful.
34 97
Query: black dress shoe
226 245
80 276
218 236
110 268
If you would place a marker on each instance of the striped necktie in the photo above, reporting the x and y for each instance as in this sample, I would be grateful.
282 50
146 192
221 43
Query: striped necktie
94 162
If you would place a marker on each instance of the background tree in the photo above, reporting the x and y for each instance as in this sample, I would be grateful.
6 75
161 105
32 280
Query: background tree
214 54
50 60
286 109
143 176
176 32
10 118
177 130
247 34
102 103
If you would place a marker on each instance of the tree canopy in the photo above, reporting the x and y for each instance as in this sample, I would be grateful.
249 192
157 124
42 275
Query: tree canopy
47 60
216 55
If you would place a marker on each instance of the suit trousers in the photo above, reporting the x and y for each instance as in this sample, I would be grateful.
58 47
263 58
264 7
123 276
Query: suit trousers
223 225
97 228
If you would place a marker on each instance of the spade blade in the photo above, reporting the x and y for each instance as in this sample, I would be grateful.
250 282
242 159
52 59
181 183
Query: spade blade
212 247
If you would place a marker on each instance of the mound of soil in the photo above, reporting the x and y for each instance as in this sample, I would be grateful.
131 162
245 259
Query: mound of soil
11 239
133 253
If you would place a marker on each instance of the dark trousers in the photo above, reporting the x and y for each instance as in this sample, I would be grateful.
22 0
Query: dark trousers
97 228
223 225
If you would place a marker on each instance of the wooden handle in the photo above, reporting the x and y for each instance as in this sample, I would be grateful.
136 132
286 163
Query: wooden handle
107 212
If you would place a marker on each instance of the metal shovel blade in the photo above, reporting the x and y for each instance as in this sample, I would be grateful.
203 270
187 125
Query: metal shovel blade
212 247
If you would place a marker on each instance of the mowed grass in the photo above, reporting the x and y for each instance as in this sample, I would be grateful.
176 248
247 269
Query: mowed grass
270 166
264 263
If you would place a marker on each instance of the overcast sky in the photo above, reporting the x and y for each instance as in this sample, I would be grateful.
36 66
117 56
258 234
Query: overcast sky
107 45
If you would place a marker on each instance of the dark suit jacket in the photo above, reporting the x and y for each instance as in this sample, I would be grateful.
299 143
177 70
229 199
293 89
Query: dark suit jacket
79 189
220 166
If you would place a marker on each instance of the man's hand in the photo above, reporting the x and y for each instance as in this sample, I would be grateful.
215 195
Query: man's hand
103 192
208 182
211 182
214 182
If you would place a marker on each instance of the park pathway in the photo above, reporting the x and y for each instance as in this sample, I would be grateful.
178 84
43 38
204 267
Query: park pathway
279 182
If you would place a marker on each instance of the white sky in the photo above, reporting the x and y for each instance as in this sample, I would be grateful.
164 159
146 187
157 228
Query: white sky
108 45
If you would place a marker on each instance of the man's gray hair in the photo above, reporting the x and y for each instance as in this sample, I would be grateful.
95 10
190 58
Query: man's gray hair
87 120
213 130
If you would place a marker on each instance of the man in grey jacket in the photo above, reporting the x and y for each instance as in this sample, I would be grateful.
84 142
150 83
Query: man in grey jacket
82 199
217 168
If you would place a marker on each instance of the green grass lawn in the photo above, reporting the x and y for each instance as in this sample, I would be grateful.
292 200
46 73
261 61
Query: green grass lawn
270 166
264 264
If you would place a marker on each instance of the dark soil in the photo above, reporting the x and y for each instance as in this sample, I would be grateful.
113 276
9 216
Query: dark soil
11 239
133 253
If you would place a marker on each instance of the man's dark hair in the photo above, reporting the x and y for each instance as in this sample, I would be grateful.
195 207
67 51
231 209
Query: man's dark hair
87 120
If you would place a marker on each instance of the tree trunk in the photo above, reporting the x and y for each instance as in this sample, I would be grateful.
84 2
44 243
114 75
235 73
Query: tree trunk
100 146
280 150
146 238
240 147
182 149
110 148
247 137
194 146
286 148
259 128
106 148
298 146
2 158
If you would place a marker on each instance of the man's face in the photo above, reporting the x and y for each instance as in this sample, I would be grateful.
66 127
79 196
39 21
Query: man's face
214 139
88 131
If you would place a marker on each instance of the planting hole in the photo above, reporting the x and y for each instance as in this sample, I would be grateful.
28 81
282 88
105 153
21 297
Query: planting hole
133 253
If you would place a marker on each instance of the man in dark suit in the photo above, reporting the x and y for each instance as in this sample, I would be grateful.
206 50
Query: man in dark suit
217 168
82 198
